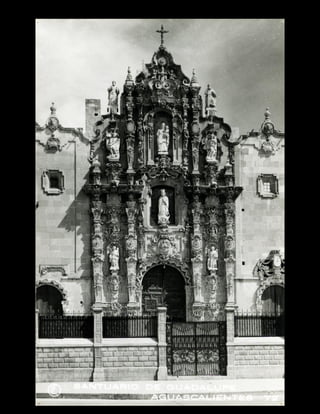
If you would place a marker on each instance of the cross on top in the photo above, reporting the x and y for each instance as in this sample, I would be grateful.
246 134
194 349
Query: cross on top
161 33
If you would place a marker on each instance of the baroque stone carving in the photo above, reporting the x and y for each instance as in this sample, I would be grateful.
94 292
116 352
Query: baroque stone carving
57 285
272 266
114 258
163 208
212 259
267 143
45 269
210 144
163 136
113 93
53 144
113 145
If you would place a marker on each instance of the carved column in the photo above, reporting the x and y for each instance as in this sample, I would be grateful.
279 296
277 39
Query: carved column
97 237
177 149
131 253
113 251
130 129
230 248
197 258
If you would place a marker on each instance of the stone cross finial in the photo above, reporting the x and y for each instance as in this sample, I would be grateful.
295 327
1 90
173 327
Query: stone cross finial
161 33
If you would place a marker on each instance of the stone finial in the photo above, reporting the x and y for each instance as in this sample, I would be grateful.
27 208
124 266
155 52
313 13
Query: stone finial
96 162
267 113
129 76
194 80
53 109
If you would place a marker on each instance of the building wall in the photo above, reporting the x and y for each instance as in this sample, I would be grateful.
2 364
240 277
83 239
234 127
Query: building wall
72 360
256 358
63 220
259 221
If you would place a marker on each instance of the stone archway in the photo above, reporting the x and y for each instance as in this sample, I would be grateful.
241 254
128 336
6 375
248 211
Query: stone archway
272 300
51 297
164 285
267 283
49 300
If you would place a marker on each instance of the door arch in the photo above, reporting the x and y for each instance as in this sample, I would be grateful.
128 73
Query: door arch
273 300
49 300
164 285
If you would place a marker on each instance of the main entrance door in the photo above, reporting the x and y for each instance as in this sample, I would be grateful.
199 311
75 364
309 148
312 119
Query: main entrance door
196 348
164 286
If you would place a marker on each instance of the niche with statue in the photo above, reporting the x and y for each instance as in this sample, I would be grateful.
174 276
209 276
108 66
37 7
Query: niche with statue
162 206
163 135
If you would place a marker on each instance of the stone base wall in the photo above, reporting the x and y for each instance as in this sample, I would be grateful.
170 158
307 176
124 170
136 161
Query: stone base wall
256 358
63 360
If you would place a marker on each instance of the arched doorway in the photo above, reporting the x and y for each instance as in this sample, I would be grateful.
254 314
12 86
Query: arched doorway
49 300
273 300
164 286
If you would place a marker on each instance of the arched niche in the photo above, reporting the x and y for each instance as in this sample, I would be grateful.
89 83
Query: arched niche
272 300
276 295
160 117
171 194
164 285
51 298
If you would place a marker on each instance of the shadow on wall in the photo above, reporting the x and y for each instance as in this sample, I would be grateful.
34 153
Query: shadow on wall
77 220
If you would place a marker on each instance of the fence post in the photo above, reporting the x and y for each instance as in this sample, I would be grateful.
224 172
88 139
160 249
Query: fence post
162 372
98 373
230 339
37 325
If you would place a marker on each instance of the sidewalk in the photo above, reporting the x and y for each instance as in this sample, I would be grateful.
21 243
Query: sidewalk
257 391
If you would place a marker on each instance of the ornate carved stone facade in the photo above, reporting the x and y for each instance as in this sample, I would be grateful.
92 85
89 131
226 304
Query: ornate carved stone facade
155 183
160 143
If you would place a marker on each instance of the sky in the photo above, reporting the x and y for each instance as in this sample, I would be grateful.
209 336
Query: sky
242 59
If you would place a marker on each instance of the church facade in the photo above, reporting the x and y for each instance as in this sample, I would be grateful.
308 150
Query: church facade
158 203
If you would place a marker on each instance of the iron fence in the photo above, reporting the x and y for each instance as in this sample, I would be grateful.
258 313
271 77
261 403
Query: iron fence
249 324
65 326
129 326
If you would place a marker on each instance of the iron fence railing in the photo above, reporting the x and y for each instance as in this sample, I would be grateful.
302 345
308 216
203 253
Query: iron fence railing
65 326
129 326
250 324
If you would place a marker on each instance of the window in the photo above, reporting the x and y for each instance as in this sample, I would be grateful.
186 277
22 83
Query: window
267 186
52 182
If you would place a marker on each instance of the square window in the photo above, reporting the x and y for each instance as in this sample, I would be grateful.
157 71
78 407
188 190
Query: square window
267 186
52 182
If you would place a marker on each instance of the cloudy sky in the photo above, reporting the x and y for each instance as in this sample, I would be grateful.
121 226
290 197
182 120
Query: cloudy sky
242 59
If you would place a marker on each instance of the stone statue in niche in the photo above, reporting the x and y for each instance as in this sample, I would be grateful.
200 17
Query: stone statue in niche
195 158
210 145
114 258
212 259
163 208
163 136
113 93
130 153
210 97
113 145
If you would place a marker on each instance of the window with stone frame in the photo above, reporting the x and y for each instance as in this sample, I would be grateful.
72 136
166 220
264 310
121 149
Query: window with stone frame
52 181
267 186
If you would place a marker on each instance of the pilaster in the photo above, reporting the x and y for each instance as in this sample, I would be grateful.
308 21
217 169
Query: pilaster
162 372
